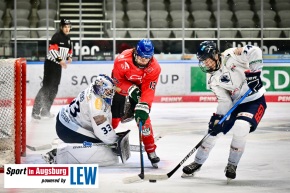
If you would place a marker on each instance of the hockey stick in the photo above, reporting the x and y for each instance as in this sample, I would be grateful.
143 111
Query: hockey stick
39 148
155 177
133 148
141 175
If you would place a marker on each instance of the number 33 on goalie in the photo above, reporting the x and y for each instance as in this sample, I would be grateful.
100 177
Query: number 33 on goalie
88 119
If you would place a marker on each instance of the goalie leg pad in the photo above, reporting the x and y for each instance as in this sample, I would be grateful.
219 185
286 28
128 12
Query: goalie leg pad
123 146
78 153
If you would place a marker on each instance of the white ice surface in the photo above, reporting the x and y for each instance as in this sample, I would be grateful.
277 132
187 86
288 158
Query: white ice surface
264 167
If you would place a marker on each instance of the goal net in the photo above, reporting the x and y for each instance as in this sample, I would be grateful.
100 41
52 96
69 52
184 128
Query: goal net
12 111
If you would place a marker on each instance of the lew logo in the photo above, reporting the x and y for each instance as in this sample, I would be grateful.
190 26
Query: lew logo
83 175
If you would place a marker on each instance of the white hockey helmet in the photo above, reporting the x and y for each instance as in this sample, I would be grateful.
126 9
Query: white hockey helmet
104 87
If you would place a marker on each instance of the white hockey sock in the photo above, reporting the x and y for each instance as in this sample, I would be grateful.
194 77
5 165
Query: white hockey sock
204 150
240 130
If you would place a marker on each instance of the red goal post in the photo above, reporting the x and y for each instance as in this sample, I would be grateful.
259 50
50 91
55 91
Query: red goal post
12 111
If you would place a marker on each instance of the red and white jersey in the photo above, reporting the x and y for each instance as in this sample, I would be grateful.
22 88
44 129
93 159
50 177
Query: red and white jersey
90 112
229 82
125 74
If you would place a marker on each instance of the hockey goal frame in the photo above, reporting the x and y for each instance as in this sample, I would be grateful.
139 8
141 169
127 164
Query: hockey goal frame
19 102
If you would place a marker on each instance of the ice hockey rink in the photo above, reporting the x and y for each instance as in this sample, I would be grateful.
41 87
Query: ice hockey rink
264 167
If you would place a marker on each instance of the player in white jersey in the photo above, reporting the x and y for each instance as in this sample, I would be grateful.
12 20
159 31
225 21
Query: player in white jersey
232 72
84 127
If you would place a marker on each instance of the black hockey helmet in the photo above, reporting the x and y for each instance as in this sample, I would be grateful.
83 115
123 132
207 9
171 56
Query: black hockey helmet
64 22
208 49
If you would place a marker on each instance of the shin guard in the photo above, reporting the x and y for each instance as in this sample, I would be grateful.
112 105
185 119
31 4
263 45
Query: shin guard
148 137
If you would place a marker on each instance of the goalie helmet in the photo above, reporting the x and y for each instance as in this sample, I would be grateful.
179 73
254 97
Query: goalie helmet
104 87
208 49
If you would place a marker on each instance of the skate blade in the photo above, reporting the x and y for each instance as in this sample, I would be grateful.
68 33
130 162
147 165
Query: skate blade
184 175
33 120
46 159
228 180
155 165
47 117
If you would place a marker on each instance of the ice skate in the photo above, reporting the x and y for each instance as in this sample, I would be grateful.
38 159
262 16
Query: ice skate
49 157
154 159
47 116
190 170
230 171
35 116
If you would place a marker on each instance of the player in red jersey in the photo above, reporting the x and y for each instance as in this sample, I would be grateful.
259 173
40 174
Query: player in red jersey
136 74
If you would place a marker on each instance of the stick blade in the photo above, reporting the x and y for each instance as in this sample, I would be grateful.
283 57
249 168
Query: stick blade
38 148
157 177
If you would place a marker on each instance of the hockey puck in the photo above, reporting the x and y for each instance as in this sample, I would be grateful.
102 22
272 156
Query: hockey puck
153 181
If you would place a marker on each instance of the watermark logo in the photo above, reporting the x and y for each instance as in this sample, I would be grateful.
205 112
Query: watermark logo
45 176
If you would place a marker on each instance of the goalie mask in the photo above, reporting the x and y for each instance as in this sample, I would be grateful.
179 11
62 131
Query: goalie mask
208 56
143 53
105 88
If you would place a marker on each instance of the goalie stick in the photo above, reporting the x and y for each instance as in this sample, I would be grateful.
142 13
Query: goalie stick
133 148
155 177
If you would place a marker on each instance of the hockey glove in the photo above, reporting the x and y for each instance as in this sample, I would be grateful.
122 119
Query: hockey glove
134 93
254 80
141 112
213 127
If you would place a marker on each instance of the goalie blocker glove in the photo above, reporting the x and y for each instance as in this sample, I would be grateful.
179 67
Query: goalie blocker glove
213 127
122 146
254 80
134 92
141 112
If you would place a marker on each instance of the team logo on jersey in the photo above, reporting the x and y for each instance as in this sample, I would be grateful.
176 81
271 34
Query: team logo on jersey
135 78
98 104
149 70
225 78
153 85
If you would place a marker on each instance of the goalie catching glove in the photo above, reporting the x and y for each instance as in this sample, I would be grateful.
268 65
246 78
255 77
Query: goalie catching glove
253 80
141 112
213 127
134 92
